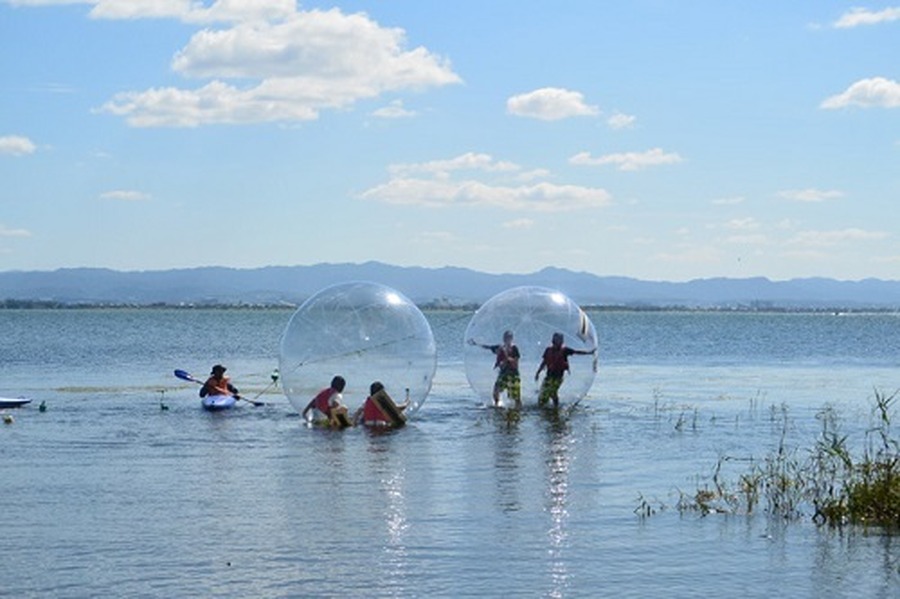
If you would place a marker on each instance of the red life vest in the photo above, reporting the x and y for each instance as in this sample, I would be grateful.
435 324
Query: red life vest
372 413
557 360
323 401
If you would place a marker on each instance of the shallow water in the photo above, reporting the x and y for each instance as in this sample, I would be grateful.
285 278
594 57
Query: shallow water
106 494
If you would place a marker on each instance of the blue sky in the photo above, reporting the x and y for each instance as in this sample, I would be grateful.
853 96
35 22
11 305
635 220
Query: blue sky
655 139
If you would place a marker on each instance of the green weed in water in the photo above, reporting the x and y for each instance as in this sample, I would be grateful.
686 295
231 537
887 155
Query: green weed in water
828 482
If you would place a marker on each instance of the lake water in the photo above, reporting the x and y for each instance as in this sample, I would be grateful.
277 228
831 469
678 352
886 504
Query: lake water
107 494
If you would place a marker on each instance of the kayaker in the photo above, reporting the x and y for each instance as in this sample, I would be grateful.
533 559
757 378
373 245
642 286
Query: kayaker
507 365
218 383
556 361
327 407
379 409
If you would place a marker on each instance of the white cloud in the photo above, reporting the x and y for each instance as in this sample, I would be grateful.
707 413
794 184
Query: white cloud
743 224
831 238
7 232
191 11
749 239
48 2
810 195
864 16
471 161
16 145
519 223
289 70
125 195
540 197
621 121
867 93
394 110
628 161
487 184
550 104
144 9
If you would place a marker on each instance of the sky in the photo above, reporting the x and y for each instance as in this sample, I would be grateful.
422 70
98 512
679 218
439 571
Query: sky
653 139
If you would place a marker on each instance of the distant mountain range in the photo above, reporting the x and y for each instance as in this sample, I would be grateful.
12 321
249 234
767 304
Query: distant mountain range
446 286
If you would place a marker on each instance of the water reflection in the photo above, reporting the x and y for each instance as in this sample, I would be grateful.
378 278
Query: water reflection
847 559
391 474
557 463
506 461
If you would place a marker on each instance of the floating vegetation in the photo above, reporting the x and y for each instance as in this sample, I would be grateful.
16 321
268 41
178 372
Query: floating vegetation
829 483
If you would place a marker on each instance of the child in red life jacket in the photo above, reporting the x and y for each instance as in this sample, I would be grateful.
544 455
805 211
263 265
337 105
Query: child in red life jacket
507 365
556 361
327 405
379 410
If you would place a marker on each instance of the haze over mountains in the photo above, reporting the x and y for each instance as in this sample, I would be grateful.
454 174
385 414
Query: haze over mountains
433 286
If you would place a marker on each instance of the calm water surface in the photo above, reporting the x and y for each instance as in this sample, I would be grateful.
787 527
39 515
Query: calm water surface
106 494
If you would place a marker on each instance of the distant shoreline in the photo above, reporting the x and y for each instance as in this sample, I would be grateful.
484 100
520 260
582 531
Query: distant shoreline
442 306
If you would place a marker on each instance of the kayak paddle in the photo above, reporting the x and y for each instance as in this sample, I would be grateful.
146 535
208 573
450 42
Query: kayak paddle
186 376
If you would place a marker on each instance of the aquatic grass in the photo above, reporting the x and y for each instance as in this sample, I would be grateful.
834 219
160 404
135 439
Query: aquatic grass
828 482
869 493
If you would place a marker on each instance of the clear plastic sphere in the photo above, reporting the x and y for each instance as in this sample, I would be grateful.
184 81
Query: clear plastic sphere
533 315
364 332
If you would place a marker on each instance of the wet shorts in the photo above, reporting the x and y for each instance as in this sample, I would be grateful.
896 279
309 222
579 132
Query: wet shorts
549 389
511 383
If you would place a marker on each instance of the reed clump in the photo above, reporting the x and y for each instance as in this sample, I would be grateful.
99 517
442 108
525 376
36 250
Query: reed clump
829 483
864 491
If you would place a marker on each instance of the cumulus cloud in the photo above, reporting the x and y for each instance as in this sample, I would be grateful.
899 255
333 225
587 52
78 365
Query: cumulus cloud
394 110
550 104
470 161
125 195
621 121
627 161
16 145
540 197
273 64
485 182
877 92
810 195
863 16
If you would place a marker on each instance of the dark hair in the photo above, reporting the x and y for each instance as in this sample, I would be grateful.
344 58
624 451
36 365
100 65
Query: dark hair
375 387
338 383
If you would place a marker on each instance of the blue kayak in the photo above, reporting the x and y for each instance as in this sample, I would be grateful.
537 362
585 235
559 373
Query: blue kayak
216 403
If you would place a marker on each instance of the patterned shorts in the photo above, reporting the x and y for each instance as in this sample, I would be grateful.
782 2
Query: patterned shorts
549 389
511 383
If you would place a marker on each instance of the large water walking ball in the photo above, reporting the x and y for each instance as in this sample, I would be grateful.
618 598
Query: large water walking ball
533 315
364 332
